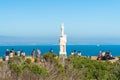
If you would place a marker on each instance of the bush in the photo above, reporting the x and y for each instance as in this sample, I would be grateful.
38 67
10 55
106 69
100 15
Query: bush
39 70
48 56
1 63
119 57
17 69
28 61
91 69
15 59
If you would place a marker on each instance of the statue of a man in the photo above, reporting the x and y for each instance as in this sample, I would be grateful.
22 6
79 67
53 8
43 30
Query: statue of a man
62 29
63 43
62 40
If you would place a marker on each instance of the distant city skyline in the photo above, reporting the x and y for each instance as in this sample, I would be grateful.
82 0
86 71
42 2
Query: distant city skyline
85 21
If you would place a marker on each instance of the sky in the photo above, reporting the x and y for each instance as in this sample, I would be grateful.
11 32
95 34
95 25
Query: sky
85 21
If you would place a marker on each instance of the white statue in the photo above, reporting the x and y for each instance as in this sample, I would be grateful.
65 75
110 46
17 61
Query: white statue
62 29
62 42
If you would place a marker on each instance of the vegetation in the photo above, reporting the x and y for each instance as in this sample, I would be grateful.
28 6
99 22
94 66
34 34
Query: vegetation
119 57
18 68
84 68
49 67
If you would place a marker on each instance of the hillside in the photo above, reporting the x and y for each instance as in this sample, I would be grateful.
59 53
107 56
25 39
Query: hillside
49 67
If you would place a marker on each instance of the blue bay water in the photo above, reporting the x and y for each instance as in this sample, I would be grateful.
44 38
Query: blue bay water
86 50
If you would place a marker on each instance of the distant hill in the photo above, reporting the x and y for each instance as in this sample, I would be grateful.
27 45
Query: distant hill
10 40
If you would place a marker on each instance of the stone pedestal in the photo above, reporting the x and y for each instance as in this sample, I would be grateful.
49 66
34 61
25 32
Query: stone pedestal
62 56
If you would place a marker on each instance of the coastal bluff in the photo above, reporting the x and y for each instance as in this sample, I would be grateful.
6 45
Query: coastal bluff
49 67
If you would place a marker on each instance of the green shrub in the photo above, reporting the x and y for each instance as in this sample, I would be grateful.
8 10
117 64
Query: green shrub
1 64
17 69
15 59
49 55
28 61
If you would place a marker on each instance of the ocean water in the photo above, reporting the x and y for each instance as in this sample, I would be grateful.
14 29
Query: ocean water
86 50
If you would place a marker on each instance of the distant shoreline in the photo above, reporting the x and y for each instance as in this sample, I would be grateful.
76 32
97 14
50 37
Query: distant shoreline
66 45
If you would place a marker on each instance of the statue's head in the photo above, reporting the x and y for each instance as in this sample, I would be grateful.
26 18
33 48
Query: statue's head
62 26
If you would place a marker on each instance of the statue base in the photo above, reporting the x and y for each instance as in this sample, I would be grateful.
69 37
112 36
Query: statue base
62 56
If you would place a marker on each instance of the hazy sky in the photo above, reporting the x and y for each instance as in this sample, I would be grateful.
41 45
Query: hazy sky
42 18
